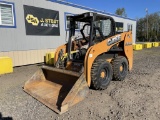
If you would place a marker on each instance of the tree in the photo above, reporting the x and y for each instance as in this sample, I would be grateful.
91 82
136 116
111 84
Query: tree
153 27
121 12
141 29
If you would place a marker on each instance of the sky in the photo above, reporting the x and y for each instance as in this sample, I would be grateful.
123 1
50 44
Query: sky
134 8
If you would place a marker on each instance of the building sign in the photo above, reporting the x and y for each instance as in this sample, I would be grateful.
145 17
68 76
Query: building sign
40 21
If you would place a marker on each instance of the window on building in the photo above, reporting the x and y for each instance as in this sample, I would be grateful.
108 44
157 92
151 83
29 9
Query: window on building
67 23
119 27
7 14
129 27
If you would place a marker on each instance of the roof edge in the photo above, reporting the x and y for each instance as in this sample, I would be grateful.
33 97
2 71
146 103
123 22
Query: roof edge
87 8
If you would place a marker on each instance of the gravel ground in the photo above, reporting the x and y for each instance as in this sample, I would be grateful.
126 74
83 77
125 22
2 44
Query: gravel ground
136 98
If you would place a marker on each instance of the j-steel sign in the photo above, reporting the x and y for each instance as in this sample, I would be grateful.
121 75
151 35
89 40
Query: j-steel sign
40 21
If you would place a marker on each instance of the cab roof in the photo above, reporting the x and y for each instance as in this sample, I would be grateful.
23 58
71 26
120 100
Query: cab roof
88 16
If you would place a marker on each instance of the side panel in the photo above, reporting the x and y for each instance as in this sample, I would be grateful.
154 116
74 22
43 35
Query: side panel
95 51
128 49
20 58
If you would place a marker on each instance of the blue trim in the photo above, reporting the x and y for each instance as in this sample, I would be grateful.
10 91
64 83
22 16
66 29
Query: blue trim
86 8
14 15
65 13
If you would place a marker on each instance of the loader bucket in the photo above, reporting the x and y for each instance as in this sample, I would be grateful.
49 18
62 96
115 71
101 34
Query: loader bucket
56 88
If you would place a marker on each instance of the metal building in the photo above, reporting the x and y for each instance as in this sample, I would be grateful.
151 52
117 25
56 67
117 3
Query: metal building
31 28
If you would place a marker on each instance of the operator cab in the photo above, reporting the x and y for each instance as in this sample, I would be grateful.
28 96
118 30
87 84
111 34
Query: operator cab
93 28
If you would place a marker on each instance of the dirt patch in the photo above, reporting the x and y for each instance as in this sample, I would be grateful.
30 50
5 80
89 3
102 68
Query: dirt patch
138 97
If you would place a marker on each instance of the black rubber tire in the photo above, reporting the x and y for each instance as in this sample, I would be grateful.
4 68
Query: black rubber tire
98 82
119 61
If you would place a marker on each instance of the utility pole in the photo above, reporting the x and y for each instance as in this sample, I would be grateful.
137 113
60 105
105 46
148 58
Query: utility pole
147 22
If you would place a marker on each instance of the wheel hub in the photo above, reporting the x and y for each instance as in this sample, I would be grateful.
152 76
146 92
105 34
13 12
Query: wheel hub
103 74
121 68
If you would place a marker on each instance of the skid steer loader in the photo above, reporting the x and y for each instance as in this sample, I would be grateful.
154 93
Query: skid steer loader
99 56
